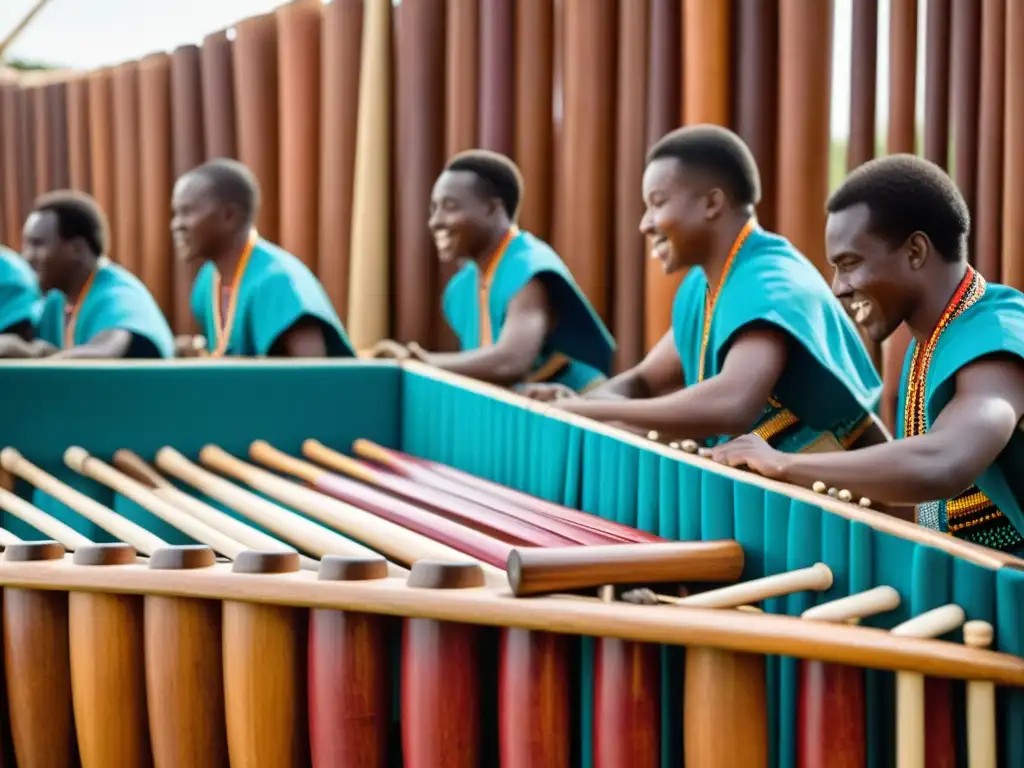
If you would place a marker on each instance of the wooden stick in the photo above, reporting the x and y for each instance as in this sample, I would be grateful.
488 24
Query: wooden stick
534 570
817 577
134 466
365 497
47 525
6 537
438 474
415 479
393 541
981 704
910 700
83 463
852 608
117 526
303 533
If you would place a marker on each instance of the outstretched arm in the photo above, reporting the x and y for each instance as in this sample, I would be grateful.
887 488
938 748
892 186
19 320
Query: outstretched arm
963 442
726 404
110 344
511 358
659 373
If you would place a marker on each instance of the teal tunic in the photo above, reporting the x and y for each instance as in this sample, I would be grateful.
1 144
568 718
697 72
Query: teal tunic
117 299
991 512
276 291
829 388
577 352
20 299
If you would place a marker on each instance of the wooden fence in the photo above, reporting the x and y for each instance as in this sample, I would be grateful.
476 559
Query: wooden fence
347 111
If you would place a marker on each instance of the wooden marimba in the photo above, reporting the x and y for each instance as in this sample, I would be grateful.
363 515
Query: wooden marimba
354 594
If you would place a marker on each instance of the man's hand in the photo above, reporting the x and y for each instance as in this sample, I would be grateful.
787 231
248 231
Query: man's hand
188 345
389 350
753 453
548 393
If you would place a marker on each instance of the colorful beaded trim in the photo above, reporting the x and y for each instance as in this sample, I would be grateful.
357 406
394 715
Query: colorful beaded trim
969 515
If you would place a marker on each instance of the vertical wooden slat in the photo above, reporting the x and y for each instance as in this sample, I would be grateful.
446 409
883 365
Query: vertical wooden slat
339 83
901 138
187 151
126 226
218 71
79 167
256 118
584 231
155 260
756 92
664 106
420 155
299 85
12 152
57 115
6 230
966 98
1013 159
41 143
370 271
25 156
101 141
805 70
534 81
631 146
936 85
988 215
497 72
863 83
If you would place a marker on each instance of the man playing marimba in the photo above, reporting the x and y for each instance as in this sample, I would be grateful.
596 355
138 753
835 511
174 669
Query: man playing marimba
757 340
271 305
515 307
93 308
897 238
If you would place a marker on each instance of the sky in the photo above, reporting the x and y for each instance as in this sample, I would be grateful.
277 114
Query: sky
93 33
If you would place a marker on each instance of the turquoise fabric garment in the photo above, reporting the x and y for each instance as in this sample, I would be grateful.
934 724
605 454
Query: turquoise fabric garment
117 299
829 384
994 324
277 290
20 299
579 334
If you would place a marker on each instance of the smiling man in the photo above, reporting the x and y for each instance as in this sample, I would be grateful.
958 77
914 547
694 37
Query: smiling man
250 297
757 339
93 308
514 305
897 238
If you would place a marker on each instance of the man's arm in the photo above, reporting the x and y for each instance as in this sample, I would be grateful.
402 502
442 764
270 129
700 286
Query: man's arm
303 339
963 442
512 356
726 404
659 373
110 344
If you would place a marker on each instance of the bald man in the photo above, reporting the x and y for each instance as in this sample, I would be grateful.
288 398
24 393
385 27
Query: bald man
250 298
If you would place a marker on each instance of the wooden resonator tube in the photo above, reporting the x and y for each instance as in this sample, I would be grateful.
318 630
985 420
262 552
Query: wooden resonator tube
831 731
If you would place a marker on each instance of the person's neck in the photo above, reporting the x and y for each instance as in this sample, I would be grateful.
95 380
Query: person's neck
489 251
933 301
722 241
77 278
228 257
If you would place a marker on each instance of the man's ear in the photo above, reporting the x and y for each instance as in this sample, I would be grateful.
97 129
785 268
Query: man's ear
715 204
918 247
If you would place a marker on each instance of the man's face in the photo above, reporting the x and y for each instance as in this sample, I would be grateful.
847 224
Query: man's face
873 279
45 251
199 222
676 221
461 220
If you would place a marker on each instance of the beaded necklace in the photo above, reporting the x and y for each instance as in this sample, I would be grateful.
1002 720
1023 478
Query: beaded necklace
711 298
971 288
